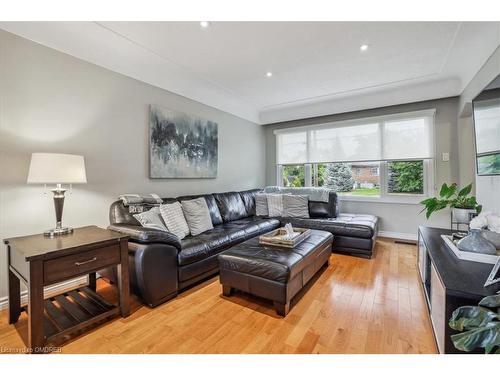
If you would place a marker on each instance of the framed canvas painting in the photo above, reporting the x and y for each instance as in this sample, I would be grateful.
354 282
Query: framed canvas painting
181 145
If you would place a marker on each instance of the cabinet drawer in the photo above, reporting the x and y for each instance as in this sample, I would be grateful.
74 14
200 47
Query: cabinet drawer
63 268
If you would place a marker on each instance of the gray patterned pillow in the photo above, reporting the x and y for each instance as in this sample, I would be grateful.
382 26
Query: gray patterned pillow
261 205
151 219
296 206
197 215
174 219
275 205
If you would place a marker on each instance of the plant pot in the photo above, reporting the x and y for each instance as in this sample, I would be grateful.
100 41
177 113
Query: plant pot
462 215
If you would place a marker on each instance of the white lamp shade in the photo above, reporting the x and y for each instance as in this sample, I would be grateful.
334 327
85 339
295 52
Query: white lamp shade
48 168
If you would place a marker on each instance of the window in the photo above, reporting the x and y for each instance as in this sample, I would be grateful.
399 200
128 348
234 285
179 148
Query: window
405 177
348 179
293 175
388 157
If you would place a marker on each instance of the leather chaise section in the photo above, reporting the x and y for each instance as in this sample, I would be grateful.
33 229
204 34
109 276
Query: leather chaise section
349 225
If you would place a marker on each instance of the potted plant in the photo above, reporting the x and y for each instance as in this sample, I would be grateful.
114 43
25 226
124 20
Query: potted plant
460 201
479 326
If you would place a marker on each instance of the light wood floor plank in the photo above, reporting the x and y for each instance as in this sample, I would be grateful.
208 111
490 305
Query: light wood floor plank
354 305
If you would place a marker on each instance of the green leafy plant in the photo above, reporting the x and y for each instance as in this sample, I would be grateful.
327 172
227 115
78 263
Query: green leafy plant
451 196
480 326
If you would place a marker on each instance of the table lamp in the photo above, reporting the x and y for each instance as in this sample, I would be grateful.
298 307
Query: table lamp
58 169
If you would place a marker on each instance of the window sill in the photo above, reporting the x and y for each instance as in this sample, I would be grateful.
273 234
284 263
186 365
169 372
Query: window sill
385 200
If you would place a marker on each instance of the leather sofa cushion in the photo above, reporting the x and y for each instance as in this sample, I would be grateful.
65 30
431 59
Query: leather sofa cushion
270 262
349 225
211 203
146 235
191 272
248 197
254 224
222 237
231 206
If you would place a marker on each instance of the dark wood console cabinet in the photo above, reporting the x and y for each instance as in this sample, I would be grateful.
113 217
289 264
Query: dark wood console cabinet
448 283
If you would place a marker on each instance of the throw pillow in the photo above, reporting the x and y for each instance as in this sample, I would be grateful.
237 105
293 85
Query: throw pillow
296 206
261 205
174 219
275 204
151 219
197 215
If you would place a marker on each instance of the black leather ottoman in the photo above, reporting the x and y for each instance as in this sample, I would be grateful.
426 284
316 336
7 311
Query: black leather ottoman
275 273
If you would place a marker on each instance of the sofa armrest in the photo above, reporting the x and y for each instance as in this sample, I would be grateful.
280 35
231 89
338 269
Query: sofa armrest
147 235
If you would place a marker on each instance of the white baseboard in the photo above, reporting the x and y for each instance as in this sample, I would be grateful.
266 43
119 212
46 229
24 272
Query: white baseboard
399 236
49 291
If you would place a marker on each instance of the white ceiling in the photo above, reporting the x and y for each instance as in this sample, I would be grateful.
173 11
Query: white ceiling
317 67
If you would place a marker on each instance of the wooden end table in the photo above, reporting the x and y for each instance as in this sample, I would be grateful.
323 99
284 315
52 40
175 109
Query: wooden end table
39 261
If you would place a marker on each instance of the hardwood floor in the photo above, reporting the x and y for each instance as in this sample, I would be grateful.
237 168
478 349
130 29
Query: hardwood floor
353 306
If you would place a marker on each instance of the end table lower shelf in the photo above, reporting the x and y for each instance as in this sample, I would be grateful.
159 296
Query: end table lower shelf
72 311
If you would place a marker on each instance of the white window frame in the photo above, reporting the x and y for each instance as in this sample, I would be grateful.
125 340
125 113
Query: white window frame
385 196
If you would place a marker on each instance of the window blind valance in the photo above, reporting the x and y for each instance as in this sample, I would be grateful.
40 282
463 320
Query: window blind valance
406 136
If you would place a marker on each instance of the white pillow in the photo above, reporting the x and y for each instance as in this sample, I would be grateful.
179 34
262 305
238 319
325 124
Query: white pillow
275 204
197 215
174 219
151 219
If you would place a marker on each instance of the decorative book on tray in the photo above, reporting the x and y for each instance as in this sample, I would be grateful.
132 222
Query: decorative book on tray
285 237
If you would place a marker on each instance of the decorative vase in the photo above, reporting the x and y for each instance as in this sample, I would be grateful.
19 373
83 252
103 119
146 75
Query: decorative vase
476 243
462 215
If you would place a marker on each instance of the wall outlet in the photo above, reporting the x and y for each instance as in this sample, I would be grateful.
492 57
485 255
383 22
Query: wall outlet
446 156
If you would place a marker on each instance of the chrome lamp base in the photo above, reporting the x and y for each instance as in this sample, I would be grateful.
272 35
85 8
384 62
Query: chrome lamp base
58 232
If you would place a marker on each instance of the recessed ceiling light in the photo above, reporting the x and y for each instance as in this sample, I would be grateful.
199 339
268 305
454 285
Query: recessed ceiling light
269 74
204 24
363 47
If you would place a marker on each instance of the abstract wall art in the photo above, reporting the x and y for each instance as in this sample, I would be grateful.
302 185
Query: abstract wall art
181 145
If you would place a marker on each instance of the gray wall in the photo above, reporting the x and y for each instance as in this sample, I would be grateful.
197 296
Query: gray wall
487 187
52 102
395 218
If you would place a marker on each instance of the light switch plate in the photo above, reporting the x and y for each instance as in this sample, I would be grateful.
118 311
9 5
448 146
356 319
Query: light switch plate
446 156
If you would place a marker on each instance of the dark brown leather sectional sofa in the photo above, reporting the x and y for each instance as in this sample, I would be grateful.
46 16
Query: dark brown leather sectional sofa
161 264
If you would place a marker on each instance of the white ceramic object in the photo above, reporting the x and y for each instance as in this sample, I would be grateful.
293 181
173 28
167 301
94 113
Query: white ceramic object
494 223
492 237
479 222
